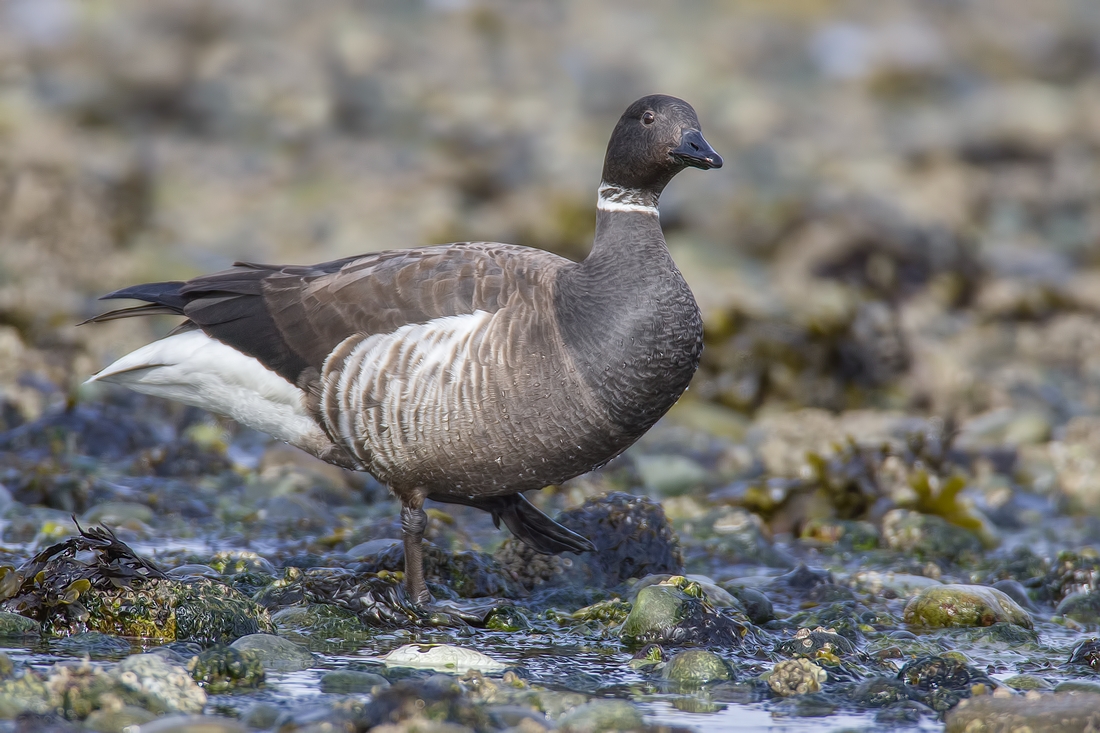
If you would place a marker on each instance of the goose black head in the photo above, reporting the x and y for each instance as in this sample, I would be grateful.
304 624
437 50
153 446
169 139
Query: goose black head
656 138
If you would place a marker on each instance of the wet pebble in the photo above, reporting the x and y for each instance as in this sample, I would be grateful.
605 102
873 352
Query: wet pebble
276 654
222 668
796 677
964 605
442 658
351 682
193 724
170 685
1084 608
125 718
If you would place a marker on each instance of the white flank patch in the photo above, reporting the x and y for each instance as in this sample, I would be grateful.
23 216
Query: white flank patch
195 369
442 658
417 376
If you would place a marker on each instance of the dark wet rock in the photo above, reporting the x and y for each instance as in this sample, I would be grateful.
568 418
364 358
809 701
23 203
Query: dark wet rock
757 605
1016 591
223 669
941 682
377 600
678 612
469 574
929 537
964 605
261 716
92 644
248 583
878 692
696 667
796 677
1003 635
1071 572
437 698
904 713
804 578
1084 608
212 613
846 618
829 593
181 459
274 653
601 715
351 682
1086 653
1051 713
102 431
816 644
633 540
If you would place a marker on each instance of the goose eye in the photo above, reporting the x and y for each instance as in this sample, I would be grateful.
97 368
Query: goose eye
648 118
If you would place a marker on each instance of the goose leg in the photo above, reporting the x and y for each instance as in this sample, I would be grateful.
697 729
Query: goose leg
414 520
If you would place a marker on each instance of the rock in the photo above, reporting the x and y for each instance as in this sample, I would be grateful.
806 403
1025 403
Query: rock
928 537
633 539
370 548
14 625
469 574
696 667
601 715
1084 608
222 669
942 681
890 584
193 724
276 654
93 644
351 682
1015 590
796 677
964 605
442 658
676 612
28 692
1086 652
816 644
879 692
1025 682
1060 712
1081 686
757 605
117 514
125 718
168 684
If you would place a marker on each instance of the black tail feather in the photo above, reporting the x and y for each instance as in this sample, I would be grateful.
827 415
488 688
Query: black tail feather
541 533
161 299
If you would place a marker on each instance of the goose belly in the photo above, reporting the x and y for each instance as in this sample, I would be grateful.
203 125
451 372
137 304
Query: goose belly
472 405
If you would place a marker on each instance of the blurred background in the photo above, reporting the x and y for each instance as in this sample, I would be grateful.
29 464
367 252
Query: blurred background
908 221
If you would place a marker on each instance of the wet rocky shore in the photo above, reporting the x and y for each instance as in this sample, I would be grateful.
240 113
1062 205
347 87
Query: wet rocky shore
876 507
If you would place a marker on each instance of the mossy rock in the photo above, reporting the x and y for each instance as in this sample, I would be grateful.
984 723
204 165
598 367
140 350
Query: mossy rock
1084 608
223 669
678 612
945 606
696 667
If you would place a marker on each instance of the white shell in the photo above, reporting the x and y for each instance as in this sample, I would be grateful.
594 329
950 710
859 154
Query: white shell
441 658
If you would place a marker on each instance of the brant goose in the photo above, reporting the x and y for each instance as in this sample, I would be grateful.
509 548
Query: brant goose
464 373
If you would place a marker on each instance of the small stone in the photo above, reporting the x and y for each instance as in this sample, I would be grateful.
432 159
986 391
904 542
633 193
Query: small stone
370 548
276 654
442 658
796 677
953 605
222 669
669 474
601 715
696 667
351 682
1082 686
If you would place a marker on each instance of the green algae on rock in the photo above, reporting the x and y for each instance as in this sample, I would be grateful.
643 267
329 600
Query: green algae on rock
945 606
677 611
1059 712
223 669
695 667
